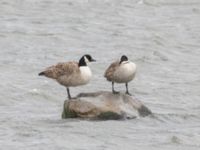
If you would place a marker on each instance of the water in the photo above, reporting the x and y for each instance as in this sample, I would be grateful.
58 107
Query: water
161 36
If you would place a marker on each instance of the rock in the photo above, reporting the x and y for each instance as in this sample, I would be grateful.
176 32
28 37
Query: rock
104 106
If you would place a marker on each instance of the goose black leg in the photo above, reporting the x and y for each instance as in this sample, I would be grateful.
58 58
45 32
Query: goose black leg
127 92
68 93
113 90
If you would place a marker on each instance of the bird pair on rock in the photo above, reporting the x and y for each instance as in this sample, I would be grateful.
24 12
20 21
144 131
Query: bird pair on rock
71 74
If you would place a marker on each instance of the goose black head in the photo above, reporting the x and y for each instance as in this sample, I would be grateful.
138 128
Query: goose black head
123 59
85 59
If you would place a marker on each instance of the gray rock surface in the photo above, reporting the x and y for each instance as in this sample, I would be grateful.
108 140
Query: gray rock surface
104 106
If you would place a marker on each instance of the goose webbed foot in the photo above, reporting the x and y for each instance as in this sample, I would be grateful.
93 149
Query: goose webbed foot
115 92
69 97
127 92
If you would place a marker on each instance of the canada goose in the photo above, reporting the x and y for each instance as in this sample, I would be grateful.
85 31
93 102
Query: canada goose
122 71
70 74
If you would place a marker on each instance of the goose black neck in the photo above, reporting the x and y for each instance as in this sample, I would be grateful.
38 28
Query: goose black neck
82 62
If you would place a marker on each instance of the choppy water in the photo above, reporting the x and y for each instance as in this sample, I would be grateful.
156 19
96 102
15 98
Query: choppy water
161 36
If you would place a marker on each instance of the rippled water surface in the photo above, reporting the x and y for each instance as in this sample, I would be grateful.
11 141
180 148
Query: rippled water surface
161 36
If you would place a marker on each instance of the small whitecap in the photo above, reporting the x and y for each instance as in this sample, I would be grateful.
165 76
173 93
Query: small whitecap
34 91
140 2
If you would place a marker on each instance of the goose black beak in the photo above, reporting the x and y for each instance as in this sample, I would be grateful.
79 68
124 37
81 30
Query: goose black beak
93 60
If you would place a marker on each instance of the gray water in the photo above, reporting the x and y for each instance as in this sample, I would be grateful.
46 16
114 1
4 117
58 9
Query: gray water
161 36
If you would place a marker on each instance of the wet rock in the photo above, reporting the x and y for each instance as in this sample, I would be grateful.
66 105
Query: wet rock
104 106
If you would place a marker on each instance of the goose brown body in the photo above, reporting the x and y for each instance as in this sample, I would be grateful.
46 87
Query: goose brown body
122 71
70 74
